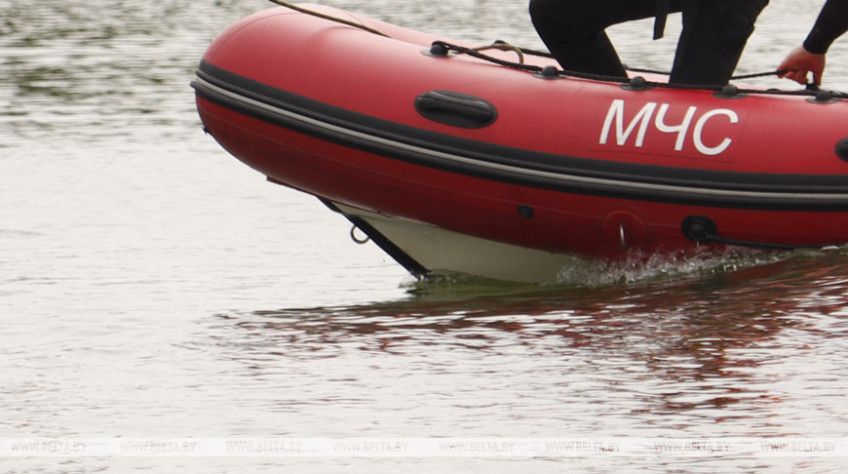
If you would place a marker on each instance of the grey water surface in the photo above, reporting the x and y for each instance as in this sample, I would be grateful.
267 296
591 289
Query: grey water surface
153 286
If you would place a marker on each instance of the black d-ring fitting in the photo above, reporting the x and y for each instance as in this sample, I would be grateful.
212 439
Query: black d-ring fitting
823 96
549 72
636 83
699 229
438 49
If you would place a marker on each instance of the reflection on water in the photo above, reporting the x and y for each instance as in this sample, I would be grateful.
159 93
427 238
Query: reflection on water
734 349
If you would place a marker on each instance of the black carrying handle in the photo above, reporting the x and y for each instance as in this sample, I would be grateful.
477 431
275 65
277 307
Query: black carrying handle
456 108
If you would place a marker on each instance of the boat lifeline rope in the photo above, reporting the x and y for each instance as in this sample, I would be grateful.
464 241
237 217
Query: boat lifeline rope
442 48
307 11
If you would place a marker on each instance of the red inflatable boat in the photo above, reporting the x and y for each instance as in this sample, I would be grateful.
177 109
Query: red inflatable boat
500 165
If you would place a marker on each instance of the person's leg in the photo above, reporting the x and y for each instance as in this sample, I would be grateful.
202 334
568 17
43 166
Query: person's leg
573 31
713 37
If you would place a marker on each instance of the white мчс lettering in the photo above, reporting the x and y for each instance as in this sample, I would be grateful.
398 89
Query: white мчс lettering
699 128
617 111
642 120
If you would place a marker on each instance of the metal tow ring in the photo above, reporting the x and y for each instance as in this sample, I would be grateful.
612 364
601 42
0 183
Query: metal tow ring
358 240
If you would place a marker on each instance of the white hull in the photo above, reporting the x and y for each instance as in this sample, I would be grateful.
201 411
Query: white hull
441 252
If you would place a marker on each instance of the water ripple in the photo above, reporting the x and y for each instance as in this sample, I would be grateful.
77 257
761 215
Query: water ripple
653 357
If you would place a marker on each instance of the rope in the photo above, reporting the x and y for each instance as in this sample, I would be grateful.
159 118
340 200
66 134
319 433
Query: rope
504 46
442 48
737 77
306 11
552 72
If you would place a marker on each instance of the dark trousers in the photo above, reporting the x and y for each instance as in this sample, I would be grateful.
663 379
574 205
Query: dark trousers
711 42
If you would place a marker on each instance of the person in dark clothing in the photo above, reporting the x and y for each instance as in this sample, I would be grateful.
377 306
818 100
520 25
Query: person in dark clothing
831 23
710 44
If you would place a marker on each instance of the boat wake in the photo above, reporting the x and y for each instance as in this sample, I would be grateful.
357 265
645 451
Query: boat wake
636 271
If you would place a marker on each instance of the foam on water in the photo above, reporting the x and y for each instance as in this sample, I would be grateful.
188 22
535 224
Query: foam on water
639 269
